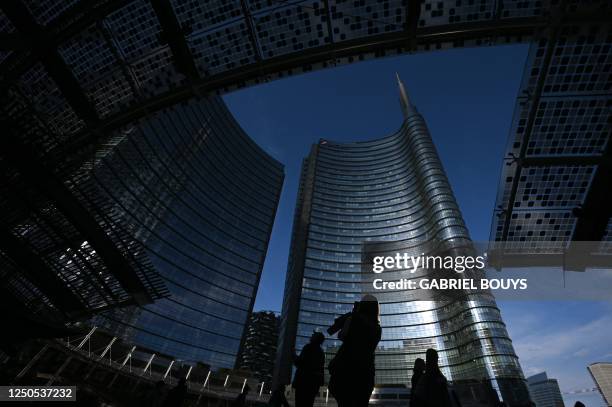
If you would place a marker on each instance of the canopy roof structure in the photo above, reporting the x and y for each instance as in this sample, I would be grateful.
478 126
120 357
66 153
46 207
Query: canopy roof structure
74 73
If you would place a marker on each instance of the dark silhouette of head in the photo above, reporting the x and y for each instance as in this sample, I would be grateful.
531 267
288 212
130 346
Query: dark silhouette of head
159 384
419 365
579 404
369 308
431 360
182 382
317 338
246 389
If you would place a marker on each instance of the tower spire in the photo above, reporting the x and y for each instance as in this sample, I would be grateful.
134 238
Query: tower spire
407 108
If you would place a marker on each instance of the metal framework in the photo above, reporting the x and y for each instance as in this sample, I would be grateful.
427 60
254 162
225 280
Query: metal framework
71 74
46 52
594 214
41 178
244 6
174 35
41 275
534 103
63 258
418 31
116 363
557 167
328 55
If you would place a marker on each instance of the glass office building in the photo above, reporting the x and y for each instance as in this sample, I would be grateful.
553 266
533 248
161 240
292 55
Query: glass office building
391 190
601 372
259 350
545 391
201 196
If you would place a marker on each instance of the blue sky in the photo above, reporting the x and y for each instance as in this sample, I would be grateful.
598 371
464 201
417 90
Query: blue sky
467 98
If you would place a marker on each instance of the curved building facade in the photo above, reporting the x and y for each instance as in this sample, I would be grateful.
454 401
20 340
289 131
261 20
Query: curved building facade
392 190
201 196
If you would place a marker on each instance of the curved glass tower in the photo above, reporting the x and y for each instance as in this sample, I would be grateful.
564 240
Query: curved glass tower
389 190
201 196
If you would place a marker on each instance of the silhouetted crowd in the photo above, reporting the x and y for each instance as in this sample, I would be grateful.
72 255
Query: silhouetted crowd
351 370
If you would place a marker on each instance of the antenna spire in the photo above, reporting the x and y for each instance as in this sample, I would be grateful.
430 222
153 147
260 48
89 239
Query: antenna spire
407 108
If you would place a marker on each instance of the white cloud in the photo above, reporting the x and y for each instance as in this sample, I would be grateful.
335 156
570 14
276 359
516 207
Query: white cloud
563 352
581 352
563 343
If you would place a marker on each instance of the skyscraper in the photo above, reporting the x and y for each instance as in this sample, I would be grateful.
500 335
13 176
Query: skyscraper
201 197
259 350
392 190
602 375
545 391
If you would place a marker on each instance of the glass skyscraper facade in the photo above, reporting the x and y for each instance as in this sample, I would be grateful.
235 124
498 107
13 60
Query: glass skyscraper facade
259 350
601 372
545 391
201 196
391 190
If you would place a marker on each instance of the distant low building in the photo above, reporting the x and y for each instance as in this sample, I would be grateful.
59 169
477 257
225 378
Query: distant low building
545 391
602 375
259 349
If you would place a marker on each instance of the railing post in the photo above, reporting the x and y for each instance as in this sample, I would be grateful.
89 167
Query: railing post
206 381
59 371
125 360
108 347
168 370
148 364
31 362
128 357
86 338
202 389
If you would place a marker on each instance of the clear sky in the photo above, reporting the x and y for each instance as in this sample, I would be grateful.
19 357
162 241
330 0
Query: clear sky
467 97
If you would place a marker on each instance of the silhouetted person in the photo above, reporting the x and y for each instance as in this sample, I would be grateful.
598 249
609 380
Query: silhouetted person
432 388
454 398
278 399
579 404
352 369
341 320
240 401
309 375
418 371
176 396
